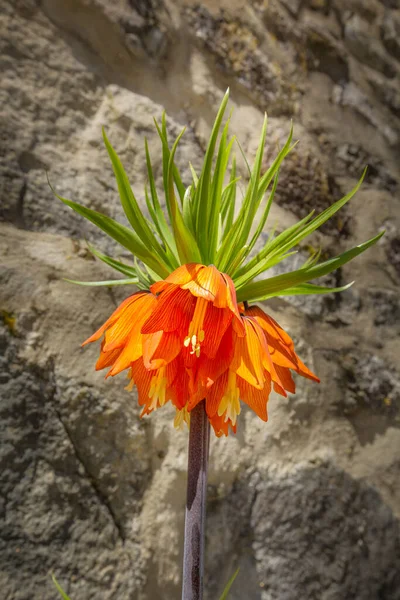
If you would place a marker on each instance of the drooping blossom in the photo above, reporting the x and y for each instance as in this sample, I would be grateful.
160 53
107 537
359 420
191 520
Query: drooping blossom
188 339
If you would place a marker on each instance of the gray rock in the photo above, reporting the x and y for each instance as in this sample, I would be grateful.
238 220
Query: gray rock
312 531
325 54
390 33
368 50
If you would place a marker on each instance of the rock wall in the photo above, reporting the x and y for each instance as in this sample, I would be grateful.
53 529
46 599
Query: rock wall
308 505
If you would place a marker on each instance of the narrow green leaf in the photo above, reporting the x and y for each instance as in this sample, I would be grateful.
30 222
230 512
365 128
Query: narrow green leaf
271 243
258 289
59 588
110 282
130 204
187 209
160 221
177 178
259 268
229 585
263 218
229 201
111 262
145 279
194 175
216 193
185 241
305 289
239 233
317 221
252 199
121 234
203 198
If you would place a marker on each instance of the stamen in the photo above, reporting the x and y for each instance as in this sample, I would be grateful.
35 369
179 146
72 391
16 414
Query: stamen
196 332
131 383
181 416
157 392
230 404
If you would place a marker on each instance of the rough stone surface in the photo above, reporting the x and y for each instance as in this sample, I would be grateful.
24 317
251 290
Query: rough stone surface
307 505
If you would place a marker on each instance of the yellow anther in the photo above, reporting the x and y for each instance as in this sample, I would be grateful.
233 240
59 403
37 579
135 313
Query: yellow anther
230 404
196 332
182 416
158 386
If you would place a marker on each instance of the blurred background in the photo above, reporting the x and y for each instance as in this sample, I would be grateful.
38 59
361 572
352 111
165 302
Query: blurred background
307 505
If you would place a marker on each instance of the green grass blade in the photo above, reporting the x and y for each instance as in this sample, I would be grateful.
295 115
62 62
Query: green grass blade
59 588
229 585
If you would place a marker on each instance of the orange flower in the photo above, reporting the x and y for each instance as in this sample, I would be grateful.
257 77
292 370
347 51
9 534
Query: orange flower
262 359
187 339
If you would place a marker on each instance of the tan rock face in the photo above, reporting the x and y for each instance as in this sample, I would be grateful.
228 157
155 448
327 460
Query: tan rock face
306 505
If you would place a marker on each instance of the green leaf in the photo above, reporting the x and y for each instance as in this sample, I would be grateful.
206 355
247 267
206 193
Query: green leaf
185 241
216 193
203 198
59 588
131 206
109 283
273 285
229 197
286 235
242 226
306 289
253 199
111 262
164 139
120 234
229 585
315 223
159 219
187 209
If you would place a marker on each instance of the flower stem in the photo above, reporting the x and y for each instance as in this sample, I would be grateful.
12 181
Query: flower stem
193 553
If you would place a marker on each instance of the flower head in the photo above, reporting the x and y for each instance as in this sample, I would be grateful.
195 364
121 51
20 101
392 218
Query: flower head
190 334
186 340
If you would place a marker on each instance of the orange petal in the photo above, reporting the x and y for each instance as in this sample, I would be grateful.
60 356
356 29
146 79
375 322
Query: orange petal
249 352
180 276
215 394
106 359
172 311
256 399
115 315
206 283
226 298
270 326
160 348
129 321
220 426
209 369
286 379
215 324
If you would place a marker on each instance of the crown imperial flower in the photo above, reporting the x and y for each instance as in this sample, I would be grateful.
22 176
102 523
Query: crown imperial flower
190 334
